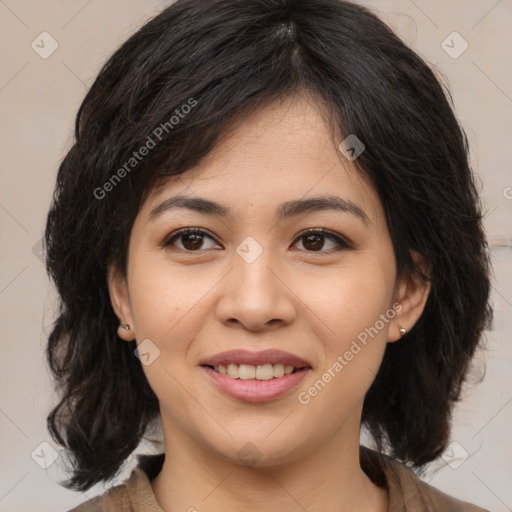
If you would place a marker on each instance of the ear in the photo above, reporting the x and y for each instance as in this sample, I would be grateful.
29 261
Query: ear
120 300
412 294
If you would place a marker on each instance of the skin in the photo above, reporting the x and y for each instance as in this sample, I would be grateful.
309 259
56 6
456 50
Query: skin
307 301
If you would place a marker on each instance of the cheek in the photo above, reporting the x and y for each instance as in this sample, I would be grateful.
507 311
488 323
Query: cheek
357 312
164 297
354 333
353 300
170 305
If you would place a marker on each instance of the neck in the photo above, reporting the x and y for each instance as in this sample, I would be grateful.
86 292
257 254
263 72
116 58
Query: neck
329 478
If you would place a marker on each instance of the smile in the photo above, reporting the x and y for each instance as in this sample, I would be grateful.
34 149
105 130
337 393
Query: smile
255 383
260 372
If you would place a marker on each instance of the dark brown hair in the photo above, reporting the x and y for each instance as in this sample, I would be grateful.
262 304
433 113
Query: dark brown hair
226 58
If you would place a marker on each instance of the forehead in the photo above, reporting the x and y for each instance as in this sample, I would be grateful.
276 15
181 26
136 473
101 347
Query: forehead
282 152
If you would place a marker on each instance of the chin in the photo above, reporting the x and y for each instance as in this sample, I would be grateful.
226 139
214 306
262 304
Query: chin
260 451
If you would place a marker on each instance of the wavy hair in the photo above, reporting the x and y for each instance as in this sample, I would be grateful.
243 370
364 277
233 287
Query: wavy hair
230 58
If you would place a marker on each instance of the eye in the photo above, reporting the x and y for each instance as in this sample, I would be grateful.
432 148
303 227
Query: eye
192 239
313 240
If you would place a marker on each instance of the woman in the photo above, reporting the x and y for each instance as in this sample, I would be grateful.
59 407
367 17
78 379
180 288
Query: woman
267 235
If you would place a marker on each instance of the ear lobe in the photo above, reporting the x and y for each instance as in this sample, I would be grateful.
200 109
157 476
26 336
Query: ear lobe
120 300
412 295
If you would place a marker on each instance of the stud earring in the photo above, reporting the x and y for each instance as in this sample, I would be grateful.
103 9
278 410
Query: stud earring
402 330
126 327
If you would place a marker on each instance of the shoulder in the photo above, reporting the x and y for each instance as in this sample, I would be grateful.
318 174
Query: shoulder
419 495
113 500
408 493
134 495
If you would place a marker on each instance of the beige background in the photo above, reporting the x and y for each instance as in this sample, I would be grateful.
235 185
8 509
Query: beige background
38 102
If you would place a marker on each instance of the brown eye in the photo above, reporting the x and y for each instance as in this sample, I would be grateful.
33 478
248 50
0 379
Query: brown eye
192 240
314 241
195 240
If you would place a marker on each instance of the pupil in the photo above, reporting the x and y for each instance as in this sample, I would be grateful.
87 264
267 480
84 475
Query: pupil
315 246
196 241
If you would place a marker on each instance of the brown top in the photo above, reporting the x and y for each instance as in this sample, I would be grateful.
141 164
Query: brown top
407 493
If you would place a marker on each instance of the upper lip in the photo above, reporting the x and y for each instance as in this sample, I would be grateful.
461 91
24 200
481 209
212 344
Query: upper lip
272 356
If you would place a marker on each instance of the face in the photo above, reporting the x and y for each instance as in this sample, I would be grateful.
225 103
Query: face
253 275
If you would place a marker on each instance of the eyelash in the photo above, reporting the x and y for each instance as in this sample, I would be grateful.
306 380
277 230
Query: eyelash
341 243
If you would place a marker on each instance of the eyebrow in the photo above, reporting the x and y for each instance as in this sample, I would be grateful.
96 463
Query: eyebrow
283 211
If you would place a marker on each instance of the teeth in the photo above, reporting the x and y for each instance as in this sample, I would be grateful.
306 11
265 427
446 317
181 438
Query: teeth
248 371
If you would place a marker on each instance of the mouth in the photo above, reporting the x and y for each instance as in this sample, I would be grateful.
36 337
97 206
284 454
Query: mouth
256 372
249 383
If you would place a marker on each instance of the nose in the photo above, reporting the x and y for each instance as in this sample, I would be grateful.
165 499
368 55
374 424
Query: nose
255 295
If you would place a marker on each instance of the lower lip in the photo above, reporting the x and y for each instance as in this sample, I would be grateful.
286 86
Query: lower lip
253 390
